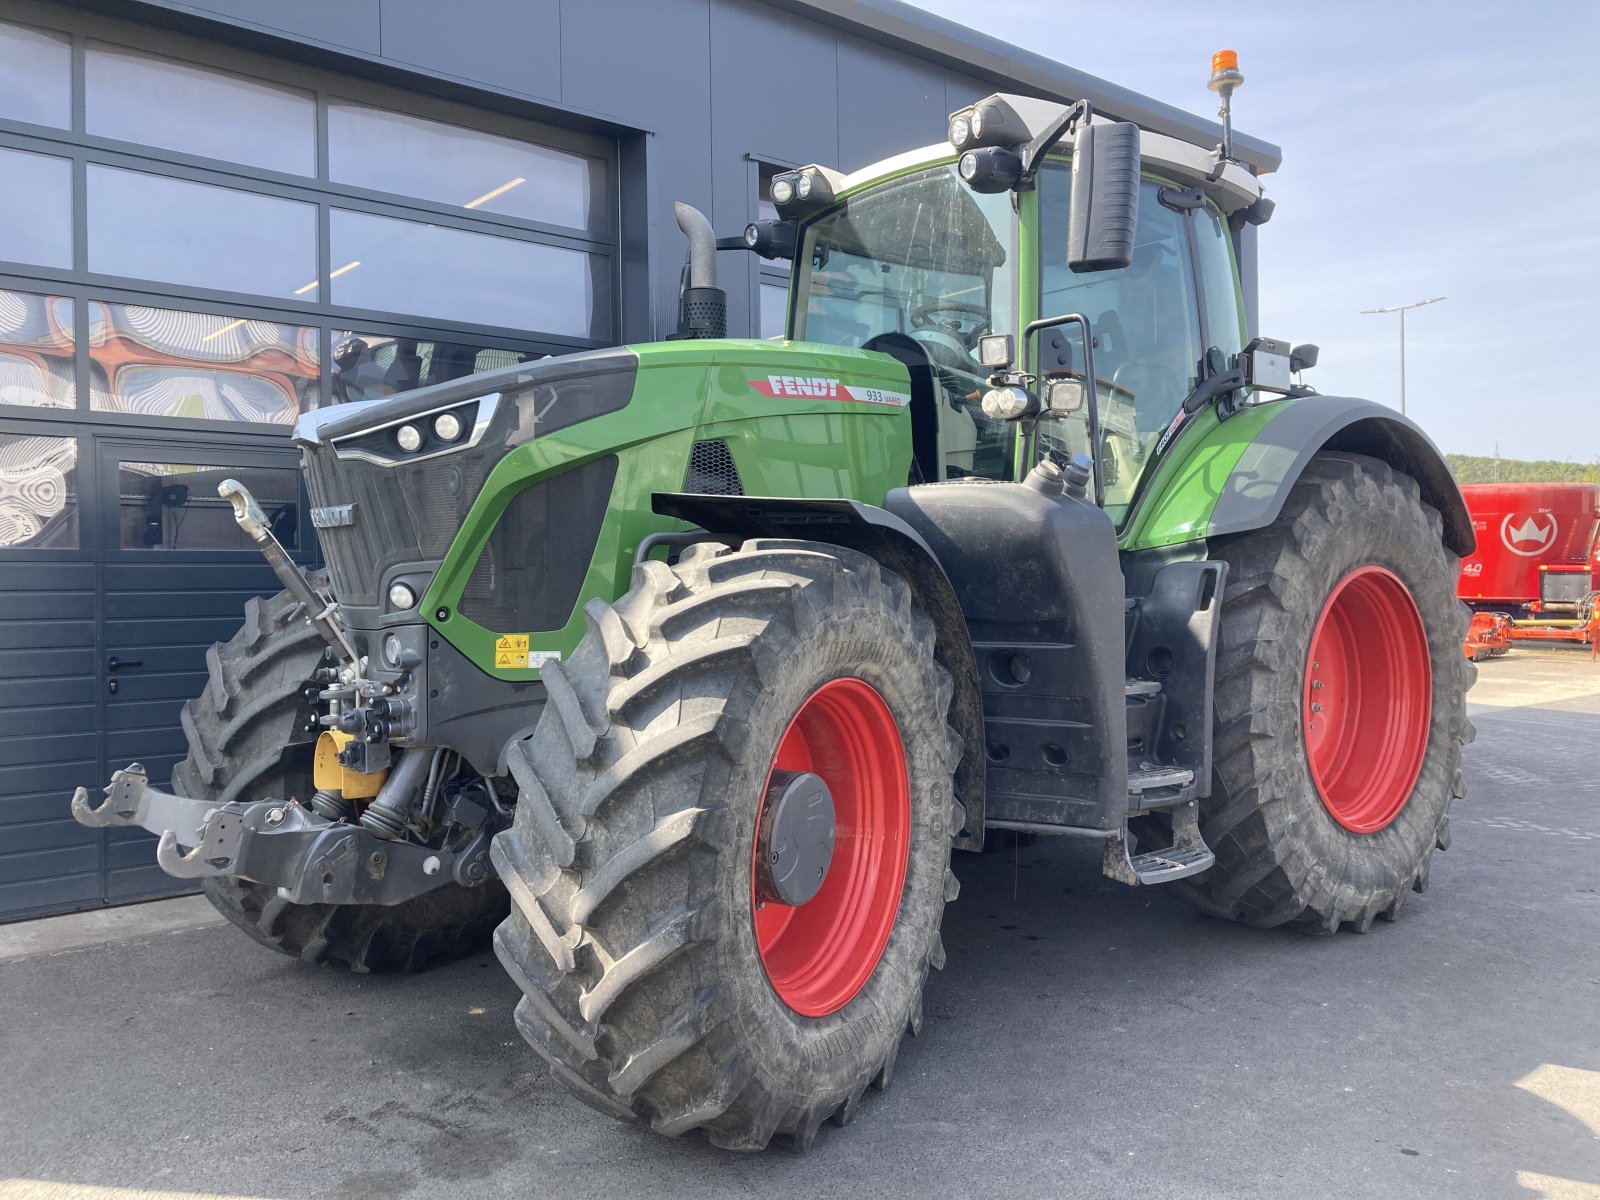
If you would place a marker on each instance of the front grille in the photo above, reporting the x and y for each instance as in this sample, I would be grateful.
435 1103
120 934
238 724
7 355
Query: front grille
712 471
401 515
531 571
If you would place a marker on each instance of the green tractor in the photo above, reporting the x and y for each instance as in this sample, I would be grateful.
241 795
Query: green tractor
683 667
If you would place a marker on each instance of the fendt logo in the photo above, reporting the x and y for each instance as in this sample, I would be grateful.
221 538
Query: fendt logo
821 387
1528 534
811 386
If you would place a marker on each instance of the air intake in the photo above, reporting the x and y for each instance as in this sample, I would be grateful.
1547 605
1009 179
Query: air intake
711 471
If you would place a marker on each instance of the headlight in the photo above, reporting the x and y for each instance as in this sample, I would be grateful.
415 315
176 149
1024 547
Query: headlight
392 650
409 438
447 427
1009 403
401 597
802 187
992 169
782 190
977 122
960 130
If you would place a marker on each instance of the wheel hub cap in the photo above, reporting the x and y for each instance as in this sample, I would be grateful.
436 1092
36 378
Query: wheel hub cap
794 842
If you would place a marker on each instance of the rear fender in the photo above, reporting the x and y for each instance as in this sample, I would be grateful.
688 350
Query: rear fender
891 541
1281 438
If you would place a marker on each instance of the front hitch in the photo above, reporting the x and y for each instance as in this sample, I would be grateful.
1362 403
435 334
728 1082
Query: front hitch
280 844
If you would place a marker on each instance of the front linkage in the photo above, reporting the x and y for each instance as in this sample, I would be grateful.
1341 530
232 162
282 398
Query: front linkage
319 854
310 859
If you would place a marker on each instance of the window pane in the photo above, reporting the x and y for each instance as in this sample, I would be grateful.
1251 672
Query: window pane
369 365
36 340
428 270
159 363
449 164
35 76
152 227
35 209
166 506
160 102
38 492
1218 291
774 309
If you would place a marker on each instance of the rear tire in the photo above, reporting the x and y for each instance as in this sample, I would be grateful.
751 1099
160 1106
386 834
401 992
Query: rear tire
634 933
239 733
1285 853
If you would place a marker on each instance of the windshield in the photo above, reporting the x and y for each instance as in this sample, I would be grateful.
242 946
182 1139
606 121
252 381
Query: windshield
922 260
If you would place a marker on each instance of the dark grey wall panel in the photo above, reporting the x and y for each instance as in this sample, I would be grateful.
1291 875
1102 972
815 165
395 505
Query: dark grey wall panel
350 23
510 44
888 103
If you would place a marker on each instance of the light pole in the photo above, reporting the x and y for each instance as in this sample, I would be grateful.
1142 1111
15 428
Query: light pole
1402 309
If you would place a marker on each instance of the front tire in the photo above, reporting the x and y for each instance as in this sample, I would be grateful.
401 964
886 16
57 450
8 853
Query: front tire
656 985
1340 705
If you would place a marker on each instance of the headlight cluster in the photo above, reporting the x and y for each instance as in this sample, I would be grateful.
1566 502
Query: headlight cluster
446 428
989 122
796 193
420 437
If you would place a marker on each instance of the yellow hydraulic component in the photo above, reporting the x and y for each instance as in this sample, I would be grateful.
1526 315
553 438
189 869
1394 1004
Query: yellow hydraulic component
332 775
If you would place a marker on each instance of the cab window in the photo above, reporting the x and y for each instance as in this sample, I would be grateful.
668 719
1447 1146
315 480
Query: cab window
1146 327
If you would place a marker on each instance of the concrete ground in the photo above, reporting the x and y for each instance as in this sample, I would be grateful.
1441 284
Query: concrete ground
1086 1040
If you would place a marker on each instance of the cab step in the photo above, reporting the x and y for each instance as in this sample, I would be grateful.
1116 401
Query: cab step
1188 854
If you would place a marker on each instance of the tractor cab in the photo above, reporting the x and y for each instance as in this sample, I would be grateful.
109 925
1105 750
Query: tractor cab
924 256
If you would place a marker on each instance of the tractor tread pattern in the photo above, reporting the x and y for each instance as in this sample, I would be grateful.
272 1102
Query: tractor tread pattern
1276 861
599 956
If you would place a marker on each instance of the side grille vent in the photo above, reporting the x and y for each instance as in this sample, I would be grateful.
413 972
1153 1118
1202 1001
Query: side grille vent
711 471
532 568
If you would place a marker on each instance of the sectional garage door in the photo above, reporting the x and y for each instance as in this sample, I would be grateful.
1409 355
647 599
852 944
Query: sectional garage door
197 244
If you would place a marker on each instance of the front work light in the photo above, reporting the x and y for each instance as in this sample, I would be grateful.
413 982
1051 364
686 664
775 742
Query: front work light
447 427
409 437
799 193
991 169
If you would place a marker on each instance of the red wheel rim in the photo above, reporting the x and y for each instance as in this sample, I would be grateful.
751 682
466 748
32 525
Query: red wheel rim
1368 699
819 954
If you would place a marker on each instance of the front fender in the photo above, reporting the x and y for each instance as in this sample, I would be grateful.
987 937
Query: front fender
1233 476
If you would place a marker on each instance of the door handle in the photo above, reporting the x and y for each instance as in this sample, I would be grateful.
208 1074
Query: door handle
116 664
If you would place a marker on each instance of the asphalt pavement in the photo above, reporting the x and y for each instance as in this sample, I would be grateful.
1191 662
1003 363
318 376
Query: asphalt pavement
1086 1039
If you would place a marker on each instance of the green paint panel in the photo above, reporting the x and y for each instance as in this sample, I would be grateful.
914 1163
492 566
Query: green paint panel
1177 503
799 420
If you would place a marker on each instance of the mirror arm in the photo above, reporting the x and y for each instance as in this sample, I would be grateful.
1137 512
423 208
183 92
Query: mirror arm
1033 153
1030 362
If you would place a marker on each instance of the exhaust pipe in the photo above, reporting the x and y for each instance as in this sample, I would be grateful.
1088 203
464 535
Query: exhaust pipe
702 305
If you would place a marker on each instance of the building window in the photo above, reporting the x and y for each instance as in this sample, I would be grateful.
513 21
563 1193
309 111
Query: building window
155 362
35 209
224 253
167 506
772 308
368 366
138 97
454 274
410 156
35 76
201 235
38 492
36 345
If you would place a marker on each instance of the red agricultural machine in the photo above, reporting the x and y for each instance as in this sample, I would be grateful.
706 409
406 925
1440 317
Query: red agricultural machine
1535 576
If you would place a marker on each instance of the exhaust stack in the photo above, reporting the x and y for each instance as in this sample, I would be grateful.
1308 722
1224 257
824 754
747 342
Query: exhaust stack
702 305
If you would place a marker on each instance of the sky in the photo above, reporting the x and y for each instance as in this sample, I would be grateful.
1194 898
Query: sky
1429 149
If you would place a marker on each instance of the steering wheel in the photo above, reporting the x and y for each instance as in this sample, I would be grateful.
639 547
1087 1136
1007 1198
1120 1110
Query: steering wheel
924 316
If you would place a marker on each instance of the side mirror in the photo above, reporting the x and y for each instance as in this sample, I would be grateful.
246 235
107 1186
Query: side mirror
1105 197
1303 358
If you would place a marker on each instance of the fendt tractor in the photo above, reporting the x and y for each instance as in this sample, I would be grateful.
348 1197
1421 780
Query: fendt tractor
683 667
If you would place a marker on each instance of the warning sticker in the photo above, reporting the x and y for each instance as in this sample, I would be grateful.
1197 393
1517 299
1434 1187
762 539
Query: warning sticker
511 650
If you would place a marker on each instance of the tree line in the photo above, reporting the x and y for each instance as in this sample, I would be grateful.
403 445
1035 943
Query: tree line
1476 468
